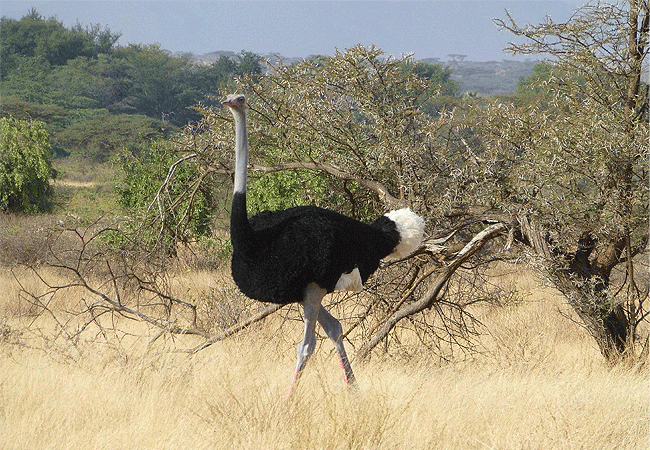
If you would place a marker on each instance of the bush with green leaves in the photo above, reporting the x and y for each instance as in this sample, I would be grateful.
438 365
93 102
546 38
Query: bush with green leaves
49 40
282 190
151 179
25 166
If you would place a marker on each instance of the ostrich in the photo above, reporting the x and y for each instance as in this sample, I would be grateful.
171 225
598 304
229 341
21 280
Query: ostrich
302 253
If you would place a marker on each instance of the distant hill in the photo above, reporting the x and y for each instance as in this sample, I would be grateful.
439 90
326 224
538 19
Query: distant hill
211 57
480 77
488 77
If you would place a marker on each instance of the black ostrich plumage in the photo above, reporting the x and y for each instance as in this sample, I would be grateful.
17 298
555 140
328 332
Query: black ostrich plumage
276 254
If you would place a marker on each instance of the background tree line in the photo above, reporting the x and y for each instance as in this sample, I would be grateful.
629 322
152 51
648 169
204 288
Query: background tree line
96 97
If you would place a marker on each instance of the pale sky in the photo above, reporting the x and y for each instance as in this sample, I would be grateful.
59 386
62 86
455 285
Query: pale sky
430 29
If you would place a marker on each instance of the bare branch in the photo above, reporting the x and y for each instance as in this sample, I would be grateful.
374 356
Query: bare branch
428 299
235 328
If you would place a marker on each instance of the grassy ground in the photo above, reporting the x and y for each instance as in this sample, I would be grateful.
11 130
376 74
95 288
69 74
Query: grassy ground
84 189
538 383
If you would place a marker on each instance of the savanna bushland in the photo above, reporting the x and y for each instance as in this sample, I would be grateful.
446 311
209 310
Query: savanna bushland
520 323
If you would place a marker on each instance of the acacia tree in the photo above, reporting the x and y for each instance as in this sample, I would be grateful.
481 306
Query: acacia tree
574 166
358 119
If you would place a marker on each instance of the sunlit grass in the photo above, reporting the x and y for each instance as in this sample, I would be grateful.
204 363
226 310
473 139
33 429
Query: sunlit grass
85 189
539 382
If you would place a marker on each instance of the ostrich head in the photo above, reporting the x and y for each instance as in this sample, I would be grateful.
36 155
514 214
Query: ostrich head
236 103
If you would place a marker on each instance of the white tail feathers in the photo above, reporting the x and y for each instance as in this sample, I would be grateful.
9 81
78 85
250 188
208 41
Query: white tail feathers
411 232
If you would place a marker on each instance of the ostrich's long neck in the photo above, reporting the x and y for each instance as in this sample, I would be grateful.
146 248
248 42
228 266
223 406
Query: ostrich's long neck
240 230
241 152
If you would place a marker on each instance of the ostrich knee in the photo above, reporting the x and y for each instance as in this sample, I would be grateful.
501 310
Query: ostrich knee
304 350
332 327
334 331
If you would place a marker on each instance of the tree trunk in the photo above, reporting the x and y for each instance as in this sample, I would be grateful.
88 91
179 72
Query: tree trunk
608 325
584 281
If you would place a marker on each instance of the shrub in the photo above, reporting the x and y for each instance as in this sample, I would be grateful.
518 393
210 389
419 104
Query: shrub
25 166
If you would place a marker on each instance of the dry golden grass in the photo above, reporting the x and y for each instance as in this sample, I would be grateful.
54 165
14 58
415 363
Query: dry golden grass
539 383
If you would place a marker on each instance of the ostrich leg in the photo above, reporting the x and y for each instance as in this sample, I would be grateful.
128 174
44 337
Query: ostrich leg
332 327
311 306
315 312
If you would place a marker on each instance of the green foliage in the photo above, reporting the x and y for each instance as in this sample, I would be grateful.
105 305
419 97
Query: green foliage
444 90
104 135
215 77
248 64
159 84
145 188
437 75
84 82
25 166
538 89
282 190
49 41
27 80
534 85
81 69
220 75
52 115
